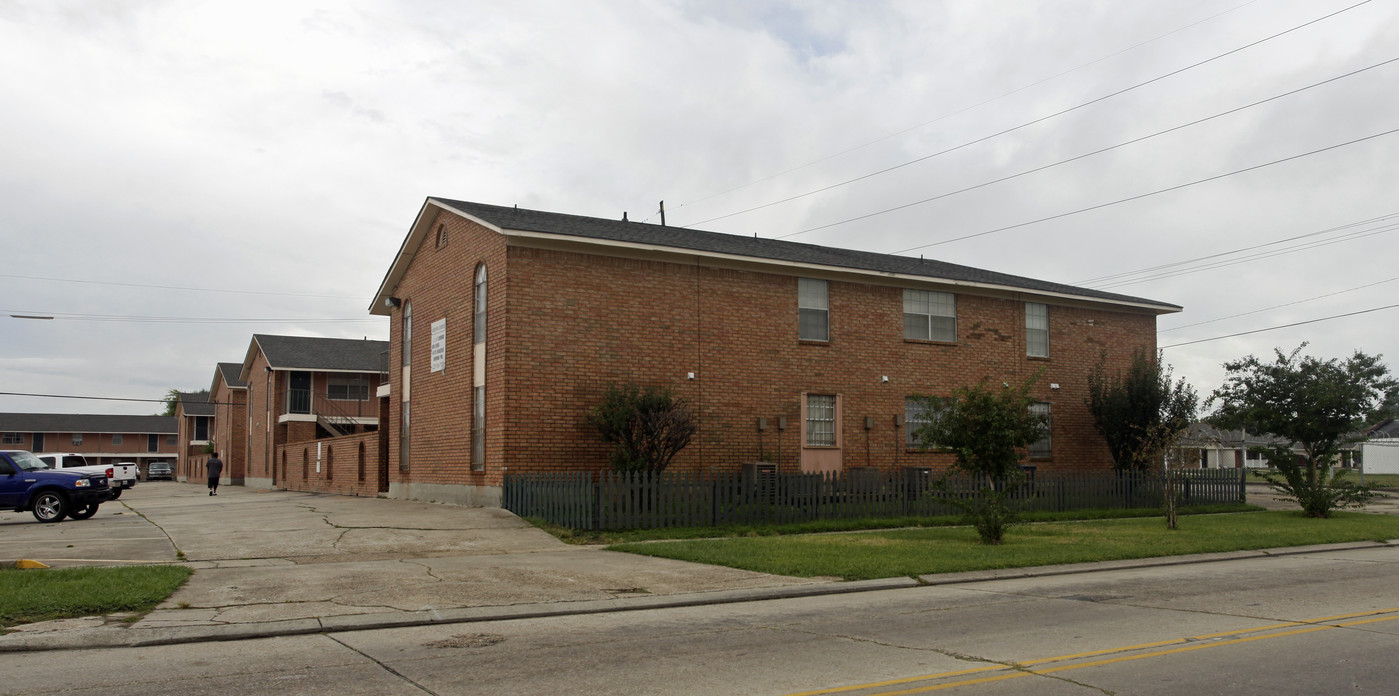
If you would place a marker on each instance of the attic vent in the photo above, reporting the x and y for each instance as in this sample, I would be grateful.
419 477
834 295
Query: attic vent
441 235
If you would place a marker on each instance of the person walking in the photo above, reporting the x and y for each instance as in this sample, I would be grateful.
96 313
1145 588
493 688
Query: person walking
214 467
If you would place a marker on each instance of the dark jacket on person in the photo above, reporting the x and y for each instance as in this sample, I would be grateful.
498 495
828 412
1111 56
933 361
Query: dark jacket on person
214 466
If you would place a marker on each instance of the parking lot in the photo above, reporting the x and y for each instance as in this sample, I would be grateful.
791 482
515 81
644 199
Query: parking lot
115 535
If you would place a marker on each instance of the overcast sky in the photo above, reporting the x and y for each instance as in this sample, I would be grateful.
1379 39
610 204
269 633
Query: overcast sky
177 176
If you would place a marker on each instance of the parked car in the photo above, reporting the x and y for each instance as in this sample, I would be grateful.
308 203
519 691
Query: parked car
119 476
28 484
160 471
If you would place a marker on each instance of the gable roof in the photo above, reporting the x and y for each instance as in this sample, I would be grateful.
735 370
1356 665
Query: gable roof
86 423
317 354
524 223
230 372
195 404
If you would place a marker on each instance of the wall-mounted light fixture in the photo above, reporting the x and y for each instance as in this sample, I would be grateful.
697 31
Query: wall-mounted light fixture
1054 385
689 375
392 302
884 378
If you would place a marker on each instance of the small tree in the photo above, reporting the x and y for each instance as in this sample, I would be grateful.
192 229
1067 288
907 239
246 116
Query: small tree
1317 406
1141 415
646 426
988 431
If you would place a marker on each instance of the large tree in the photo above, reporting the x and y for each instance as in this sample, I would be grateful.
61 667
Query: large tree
1141 414
1315 406
989 431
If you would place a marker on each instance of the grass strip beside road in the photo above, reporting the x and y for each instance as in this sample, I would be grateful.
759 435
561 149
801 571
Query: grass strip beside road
913 552
27 596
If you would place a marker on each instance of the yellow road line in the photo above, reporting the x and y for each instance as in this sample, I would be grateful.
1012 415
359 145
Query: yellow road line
1312 625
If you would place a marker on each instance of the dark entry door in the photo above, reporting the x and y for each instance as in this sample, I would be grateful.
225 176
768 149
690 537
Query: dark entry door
299 393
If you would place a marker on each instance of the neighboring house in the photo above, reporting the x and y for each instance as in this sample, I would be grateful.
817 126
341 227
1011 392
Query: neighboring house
1207 447
229 396
320 391
195 416
100 438
507 325
1379 451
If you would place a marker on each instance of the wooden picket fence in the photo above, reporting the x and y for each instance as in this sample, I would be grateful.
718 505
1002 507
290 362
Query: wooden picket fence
609 500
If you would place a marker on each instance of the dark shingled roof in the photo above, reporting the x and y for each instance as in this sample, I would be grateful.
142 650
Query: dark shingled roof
230 372
196 404
85 423
308 353
778 250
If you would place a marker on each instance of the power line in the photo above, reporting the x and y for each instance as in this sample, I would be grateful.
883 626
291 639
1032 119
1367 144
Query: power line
70 316
1092 281
110 398
960 111
177 287
1286 304
1085 155
1253 257
1284 326
1028 123
1148 194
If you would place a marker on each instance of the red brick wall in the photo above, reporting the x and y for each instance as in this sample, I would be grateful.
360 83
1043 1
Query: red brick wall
563 326
440 285
230 428
347 465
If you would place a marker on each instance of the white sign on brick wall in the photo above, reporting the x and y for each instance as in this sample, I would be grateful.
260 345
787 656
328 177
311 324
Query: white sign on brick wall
439 345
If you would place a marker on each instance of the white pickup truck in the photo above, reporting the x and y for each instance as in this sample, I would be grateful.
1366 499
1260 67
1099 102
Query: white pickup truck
119 476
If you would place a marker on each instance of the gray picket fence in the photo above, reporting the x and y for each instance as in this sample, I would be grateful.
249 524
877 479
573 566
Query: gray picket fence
610 500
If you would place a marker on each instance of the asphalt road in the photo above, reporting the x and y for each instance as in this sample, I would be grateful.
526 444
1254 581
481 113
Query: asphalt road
1307 624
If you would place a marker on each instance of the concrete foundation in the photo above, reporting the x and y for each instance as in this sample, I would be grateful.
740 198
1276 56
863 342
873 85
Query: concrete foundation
471 496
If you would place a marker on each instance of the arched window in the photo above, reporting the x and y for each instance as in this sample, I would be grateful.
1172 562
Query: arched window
478 393
330 463
480 319
305 464
361 462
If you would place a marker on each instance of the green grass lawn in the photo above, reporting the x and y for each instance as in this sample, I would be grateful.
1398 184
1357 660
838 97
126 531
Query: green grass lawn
912 552
27 596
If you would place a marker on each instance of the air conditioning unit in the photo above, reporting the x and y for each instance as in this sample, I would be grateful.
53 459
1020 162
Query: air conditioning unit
760 480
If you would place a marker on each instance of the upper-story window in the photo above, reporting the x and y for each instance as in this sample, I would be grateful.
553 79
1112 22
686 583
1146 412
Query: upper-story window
116 438
11 439
407 334
930 316
480 319
1036 330
347 388
77 438
813 310
171 440
201 428
152 443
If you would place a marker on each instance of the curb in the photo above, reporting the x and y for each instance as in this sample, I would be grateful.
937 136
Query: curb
133 637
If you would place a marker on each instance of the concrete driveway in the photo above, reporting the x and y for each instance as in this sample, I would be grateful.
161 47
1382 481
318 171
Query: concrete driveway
273 556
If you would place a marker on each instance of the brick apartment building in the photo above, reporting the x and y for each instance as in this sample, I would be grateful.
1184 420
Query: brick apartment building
100 438
195 416
229 397
312 409
507 325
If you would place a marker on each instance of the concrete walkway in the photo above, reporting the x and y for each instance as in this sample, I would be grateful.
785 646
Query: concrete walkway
274 563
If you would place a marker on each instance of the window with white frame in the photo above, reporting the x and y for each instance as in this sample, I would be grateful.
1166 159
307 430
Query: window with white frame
201 429
347 388
813 310
1036 330
930 316
1040 449
407 334
11 439
77 438
116 439
820 420
920 411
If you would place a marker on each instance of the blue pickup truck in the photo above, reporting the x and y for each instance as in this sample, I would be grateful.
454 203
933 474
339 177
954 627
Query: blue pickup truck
26 483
